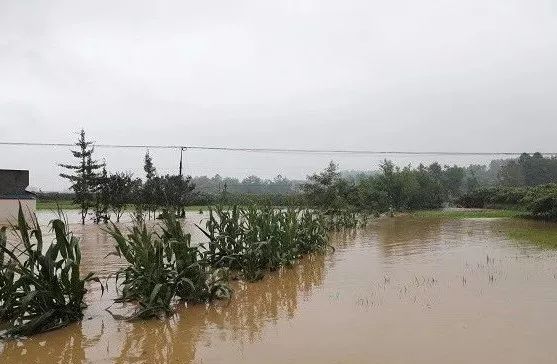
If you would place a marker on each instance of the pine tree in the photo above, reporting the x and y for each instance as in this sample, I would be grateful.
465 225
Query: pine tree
148 167
101 196
83 180
151 185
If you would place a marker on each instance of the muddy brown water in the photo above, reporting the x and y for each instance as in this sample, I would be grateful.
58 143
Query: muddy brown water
403 290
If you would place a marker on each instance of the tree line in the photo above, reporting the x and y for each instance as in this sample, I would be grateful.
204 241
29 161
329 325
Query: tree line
391 189
536 201
527 183
100 194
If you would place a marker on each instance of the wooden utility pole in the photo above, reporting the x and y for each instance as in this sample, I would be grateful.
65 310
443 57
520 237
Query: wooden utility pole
181 152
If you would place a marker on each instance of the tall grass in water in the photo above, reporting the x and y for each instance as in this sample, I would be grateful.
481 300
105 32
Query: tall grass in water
164 266
344 219
255 240
40 291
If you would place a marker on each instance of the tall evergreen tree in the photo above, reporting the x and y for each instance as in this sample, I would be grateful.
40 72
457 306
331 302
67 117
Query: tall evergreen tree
151 188
149 167
101 205
84 174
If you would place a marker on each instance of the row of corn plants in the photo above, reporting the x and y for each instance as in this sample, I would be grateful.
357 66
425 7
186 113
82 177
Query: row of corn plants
41 287
344 219
164 266
253 241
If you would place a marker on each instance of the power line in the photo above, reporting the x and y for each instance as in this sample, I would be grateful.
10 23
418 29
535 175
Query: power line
274 150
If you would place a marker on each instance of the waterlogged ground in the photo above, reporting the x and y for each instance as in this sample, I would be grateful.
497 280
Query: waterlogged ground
404 290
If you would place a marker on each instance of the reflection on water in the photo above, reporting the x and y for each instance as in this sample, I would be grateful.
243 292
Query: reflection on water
402 290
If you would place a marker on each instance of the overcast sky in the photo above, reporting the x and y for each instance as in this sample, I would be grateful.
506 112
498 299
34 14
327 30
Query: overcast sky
453 75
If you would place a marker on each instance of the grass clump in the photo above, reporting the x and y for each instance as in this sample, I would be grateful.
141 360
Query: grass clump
543 237
164 267
40 291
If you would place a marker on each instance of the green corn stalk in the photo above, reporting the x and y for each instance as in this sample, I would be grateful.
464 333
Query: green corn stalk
163 268
40 291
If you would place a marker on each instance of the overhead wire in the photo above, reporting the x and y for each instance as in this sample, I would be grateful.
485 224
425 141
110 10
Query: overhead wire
278 150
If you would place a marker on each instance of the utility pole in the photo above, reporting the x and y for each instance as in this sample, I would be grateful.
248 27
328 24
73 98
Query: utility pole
181 152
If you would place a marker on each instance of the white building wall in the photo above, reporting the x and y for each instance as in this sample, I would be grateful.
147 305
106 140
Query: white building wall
10 208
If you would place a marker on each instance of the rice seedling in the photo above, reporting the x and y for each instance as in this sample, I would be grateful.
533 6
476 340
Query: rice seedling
164 266
40 291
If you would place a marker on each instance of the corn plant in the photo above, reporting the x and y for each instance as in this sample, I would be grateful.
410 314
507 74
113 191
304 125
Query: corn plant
7 279
344 219
40 291
163 267
196 280
255 240
148 277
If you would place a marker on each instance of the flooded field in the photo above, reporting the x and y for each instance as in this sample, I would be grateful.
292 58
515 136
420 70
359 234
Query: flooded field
405 289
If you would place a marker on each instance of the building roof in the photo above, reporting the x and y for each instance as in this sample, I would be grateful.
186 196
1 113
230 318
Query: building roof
13 185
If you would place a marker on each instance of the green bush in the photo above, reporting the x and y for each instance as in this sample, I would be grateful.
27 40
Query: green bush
539 201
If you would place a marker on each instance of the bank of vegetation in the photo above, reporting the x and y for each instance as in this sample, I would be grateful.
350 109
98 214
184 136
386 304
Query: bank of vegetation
535 201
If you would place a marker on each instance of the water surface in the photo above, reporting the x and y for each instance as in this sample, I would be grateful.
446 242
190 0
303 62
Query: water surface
403 290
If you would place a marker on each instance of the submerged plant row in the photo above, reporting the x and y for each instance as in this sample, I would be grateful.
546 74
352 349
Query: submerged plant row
41 291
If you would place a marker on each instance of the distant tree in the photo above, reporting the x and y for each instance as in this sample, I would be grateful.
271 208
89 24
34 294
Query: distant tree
511 174
84 175
391 183
149 167
100 193
253 184
151 187
151 194
453 178
137 199
175 191
472 183
323 189
224 194
119 188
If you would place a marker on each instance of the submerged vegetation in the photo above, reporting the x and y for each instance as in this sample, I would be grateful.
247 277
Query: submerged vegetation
246 243
543 236
164 266
40 291
255 240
